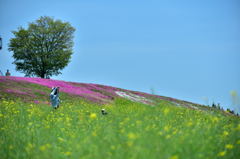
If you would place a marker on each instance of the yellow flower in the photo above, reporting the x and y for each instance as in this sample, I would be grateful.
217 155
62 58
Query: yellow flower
174 157
229 146
175 131
113 147
132 136
61 139
225 133
93 116
160 133
166 128
215 119
68 153
29 147
43 148
166 111
189 123
222 153
238 142
168 136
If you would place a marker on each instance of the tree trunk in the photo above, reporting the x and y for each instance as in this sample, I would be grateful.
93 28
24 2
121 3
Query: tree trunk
43 74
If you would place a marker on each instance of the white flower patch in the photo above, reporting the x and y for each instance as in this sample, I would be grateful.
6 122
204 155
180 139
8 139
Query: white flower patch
134 97
193 107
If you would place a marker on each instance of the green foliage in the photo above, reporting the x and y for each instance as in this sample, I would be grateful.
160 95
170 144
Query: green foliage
130 130
44 48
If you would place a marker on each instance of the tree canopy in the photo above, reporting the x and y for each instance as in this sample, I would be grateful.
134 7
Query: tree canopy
44 48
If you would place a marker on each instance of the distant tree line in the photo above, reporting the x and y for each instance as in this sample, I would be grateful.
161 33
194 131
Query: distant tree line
218 106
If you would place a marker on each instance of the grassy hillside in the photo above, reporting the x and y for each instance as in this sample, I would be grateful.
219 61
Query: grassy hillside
138 125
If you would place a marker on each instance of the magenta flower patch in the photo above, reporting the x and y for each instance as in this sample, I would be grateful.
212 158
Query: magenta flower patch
93 92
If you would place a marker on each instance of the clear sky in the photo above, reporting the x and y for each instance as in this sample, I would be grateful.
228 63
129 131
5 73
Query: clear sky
188 50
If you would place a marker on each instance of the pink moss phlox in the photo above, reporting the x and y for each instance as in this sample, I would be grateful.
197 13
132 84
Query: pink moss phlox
36 102
16 91
64 86
93 92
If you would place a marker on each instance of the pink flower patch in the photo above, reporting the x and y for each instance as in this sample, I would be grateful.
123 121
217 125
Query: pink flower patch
16 91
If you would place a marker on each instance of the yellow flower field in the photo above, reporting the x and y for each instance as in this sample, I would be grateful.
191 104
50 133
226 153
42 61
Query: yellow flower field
130 130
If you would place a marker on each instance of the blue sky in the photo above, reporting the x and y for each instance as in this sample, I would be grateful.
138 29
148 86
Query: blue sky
183 49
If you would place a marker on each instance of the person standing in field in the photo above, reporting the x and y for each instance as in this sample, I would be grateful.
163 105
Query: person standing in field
54 97
8 73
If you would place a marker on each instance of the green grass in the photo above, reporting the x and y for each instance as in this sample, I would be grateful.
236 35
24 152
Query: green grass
130 130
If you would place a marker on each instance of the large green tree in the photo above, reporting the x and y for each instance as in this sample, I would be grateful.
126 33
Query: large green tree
44 48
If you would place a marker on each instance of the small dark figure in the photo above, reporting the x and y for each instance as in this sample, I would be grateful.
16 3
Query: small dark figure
54 97
8 73
213 105
218 106
104 112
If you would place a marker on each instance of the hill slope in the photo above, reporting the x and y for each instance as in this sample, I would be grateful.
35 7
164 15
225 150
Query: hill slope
37 90
137 126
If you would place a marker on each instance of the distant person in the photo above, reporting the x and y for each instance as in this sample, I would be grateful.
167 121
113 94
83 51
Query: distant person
54 97
8 73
